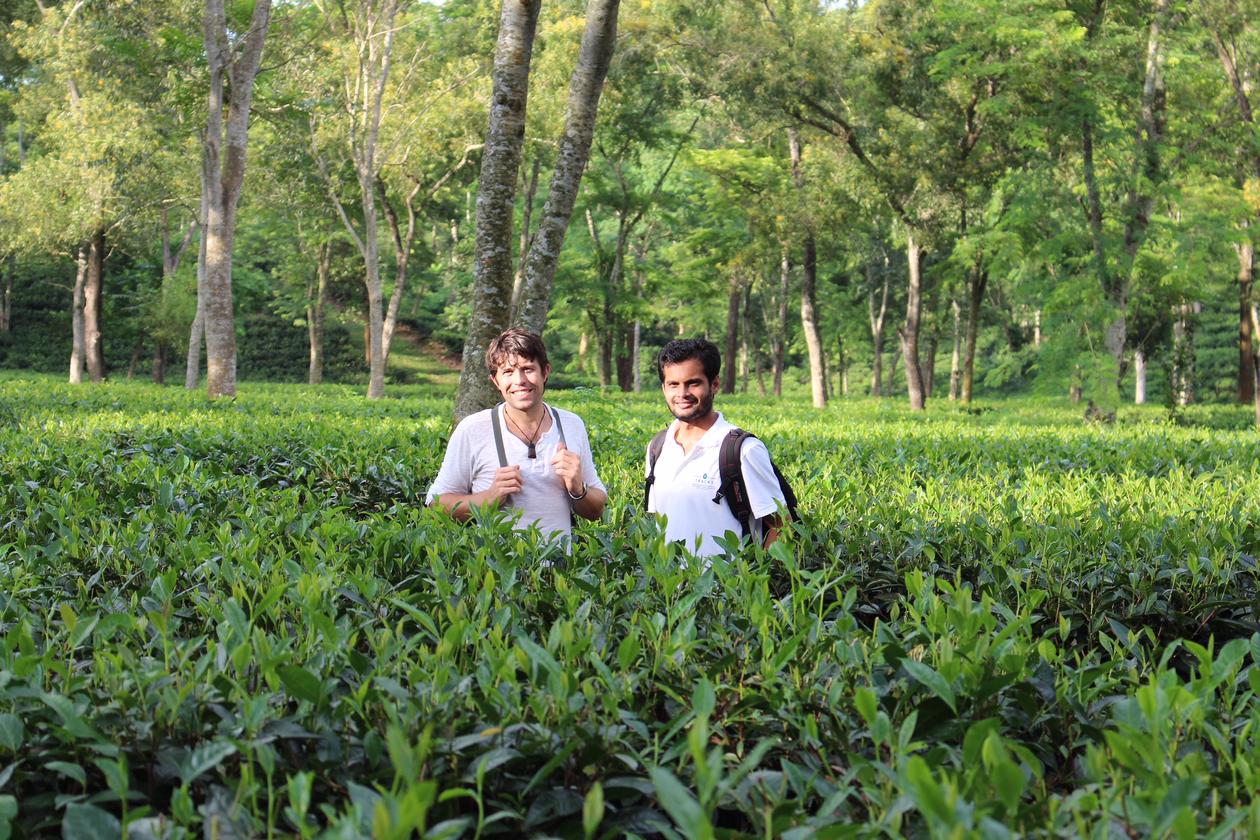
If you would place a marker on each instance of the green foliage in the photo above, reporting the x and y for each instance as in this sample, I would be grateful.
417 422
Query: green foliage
239 618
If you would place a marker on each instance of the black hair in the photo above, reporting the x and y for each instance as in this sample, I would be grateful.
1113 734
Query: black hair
682 349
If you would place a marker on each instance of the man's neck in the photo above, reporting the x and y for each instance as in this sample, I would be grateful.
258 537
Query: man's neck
690 431
528 419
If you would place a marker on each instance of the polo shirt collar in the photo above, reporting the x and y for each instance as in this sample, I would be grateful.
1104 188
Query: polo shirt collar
711 438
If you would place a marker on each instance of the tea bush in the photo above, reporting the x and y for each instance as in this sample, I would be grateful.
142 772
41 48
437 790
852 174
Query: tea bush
237 619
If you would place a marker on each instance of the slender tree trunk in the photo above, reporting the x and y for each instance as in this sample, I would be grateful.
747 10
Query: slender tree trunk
134 362
196 333
160 352
729 370
843 359
778 343
1246 351
1037 329
1183 368
909 333
527 215
496 193
809 282
1255 361
92 295
316 294
977 282
1141 197
955 363
585 88
894 357
225 153
78 347
584 347
746 338
1139 377
877 328
6 297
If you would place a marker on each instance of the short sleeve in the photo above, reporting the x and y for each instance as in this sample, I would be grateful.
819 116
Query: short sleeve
455 475
764 495
589 473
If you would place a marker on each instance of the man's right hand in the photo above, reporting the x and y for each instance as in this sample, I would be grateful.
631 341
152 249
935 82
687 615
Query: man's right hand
507 480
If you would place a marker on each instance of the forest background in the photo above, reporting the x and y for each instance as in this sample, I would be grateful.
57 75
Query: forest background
889 198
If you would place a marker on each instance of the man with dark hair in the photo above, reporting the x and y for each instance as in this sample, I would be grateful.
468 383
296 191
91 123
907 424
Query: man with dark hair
685 479
522 453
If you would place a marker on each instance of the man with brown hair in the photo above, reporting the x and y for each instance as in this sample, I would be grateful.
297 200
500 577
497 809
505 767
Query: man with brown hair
522 453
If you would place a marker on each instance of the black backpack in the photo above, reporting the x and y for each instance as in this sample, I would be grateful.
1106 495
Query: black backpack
731 485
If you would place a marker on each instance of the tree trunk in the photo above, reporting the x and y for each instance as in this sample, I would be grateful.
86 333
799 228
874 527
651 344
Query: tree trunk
160 352
1141 196
94 351
809 283
746 338
729 370
316 294
977 282
843 360
135 358
527 215
233 67
496 193
1227 50
585 87
877 327
196 333
1139 377
6 297
1246 352
1255 361
1183 367
955 362
78 345
778 343
909 333
584 347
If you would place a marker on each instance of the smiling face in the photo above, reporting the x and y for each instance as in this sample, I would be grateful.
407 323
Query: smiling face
521 382
688 391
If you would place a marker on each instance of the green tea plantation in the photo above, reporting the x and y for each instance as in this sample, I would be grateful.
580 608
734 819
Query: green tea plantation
238 620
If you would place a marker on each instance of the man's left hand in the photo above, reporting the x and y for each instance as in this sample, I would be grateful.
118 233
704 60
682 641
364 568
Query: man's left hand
568 466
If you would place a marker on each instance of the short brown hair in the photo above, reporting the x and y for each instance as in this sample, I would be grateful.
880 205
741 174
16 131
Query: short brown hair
515 342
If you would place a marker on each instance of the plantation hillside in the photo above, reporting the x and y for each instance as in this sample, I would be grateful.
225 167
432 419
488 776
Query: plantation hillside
237 619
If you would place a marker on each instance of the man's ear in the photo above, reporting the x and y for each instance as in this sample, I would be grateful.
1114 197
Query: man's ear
546 372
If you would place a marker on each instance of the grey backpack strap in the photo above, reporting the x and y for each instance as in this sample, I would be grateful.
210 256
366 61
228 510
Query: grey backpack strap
555 415
496 416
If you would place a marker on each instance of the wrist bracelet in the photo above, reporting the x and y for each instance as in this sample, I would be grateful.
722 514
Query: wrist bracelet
580 496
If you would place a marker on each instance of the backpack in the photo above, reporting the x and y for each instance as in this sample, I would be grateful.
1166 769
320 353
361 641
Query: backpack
731 485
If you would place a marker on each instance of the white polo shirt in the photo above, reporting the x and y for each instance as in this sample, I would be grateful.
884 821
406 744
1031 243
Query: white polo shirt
685 485
471 461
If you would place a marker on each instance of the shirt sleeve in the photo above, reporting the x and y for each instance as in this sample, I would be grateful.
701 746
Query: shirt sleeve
455 476
764 495
589 474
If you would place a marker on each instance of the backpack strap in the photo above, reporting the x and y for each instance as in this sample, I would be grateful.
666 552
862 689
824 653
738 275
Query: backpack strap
654 452
555 416
731 487
496 419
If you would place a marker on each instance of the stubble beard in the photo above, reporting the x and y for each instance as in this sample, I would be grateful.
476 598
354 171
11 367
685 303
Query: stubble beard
699 411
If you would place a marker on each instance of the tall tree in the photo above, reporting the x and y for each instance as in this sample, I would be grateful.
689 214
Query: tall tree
598 39
233 66
496 193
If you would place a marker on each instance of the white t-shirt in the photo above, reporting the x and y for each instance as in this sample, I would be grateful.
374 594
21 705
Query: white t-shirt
685 485
471 461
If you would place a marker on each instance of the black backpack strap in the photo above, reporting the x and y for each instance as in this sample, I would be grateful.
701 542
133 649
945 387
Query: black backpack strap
496 417
731 488
654 452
